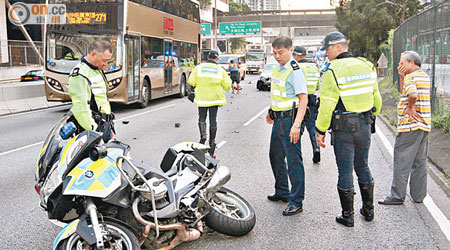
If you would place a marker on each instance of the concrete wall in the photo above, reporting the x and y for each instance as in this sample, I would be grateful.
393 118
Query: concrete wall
21 97
16 71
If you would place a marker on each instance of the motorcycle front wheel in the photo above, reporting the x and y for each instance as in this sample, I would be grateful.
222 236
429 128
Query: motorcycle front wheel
115 236
230 214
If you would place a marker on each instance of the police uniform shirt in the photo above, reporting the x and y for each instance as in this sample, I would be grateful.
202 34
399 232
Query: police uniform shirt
296 82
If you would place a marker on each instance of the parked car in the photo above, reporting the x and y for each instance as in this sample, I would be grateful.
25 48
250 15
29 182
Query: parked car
33 75
263 82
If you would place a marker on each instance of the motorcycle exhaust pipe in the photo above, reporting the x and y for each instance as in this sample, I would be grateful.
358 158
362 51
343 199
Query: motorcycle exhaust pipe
219 178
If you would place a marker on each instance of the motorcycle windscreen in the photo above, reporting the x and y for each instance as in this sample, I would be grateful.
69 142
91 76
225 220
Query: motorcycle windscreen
97 178
76 150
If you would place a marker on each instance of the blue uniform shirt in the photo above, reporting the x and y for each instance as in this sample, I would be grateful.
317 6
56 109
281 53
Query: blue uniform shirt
296 82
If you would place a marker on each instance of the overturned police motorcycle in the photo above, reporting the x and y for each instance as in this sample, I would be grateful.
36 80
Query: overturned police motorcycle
109 201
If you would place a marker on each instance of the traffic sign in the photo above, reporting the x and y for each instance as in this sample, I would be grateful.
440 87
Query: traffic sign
205 29
239 27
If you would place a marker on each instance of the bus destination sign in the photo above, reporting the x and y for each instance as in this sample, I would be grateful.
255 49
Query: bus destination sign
86 17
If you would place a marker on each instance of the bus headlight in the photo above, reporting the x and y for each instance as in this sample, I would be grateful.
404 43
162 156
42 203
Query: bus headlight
54 84
114 83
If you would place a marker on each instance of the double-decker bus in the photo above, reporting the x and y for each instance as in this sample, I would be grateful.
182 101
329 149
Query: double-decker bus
155 46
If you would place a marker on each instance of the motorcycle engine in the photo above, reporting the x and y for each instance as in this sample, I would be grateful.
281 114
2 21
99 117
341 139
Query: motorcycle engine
158 187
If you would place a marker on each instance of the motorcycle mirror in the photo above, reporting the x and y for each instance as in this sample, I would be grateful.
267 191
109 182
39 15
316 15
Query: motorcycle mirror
98 152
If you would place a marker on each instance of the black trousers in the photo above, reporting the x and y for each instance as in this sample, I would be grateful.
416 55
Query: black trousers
202 113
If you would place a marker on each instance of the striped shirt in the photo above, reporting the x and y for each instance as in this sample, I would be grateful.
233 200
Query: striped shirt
416 82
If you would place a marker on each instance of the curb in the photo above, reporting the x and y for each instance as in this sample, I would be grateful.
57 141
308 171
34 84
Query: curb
435 171
23 98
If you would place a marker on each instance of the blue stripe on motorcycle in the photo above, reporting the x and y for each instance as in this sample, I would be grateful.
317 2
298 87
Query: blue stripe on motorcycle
108 176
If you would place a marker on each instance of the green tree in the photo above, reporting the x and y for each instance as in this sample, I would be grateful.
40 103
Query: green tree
366 23
204 4
237 43
237 7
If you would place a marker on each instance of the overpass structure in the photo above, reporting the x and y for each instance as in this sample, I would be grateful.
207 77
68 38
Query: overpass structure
306 27
283 18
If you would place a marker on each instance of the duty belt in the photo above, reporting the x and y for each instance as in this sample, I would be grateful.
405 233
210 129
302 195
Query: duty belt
280 114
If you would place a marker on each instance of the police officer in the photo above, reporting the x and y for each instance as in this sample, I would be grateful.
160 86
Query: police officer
88 89
350 100
210 81
289 101
312 75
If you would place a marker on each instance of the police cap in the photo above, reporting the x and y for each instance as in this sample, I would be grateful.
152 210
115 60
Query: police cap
300 51
213 54
333 38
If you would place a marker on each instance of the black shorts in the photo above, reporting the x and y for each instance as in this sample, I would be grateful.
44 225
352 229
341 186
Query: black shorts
235 77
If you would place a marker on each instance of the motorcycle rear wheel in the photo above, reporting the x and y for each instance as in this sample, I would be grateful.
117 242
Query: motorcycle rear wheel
230 214
127 240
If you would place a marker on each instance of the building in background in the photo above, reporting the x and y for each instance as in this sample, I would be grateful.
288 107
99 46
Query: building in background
258 5
207 17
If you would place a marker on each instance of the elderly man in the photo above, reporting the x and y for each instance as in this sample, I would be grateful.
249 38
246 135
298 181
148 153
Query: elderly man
414 124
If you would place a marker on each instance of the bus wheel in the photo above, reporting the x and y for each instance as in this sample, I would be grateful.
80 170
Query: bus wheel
145 94
182 87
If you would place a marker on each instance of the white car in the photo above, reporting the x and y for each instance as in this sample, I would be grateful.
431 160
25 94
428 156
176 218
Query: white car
263 82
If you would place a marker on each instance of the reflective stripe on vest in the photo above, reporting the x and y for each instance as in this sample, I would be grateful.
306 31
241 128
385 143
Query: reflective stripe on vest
356 82
280 101
312 76
209 91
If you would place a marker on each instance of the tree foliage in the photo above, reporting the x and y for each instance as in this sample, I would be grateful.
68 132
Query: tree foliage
237 7
366 23
237 43
204 4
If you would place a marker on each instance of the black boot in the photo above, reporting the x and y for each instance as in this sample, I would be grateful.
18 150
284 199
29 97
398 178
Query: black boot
202 128
212 140
367 198
346 197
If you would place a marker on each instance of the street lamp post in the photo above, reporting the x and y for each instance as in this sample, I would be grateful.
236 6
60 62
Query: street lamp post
215 22
279 7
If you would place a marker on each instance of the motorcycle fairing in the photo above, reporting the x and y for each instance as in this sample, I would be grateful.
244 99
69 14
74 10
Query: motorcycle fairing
67 231
79 226
62 164
39 164
94 179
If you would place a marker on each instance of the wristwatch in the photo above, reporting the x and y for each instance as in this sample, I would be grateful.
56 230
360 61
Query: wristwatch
296 125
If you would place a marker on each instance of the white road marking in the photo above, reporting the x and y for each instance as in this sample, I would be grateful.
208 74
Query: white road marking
436 213
18 149
131 116
256 116
146 112
221 144
36 111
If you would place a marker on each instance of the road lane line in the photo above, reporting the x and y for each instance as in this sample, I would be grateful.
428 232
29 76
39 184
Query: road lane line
146 112
65 106
18 149
221 144
436 213
131 116
256 116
